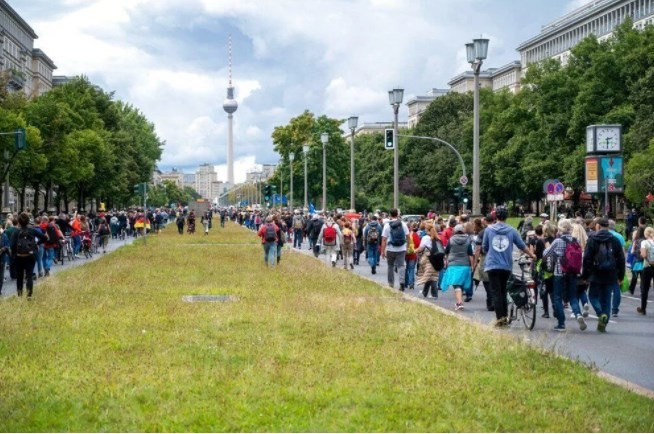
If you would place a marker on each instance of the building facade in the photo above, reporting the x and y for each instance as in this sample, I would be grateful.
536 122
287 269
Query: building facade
599 18
28 69
204 178
174 176
420 103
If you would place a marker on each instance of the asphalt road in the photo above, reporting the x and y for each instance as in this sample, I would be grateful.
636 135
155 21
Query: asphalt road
9 286
625 351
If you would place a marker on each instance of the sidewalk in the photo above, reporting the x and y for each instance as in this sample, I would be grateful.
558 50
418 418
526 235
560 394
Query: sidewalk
9 286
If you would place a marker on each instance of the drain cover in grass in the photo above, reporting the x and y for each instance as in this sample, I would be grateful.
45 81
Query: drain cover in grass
208 298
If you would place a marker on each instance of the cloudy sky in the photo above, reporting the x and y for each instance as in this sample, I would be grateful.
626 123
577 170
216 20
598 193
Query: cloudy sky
334 57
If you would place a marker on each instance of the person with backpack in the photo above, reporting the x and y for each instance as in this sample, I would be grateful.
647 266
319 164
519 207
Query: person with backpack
180 223
281 235
371 235
223 216
566 255
638 263
104 233
23 248
603 267
314 232
298 227
432 261
498 246
395 239
347 247
330 238
268 234
459 262
616 291
53 244
647 274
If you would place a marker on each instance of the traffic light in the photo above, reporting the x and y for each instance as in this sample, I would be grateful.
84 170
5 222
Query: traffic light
464 195
457 195
20 139
139 188
267 191
389 138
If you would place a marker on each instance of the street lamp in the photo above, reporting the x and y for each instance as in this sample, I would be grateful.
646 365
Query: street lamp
395 97
476 53
305 149
291 157
324 137
352 124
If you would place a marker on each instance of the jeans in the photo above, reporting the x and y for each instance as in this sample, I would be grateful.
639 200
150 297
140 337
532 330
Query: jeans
24 268
3 264
617 297
645 283
222 223
269 253
180 229
396 259
279 252
38 266
373 255
600 298
498 280
77 244
297 238
49 258
565 285
410 277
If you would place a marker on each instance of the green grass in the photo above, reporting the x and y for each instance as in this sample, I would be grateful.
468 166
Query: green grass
110 346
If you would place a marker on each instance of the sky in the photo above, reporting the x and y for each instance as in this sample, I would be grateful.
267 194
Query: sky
169 58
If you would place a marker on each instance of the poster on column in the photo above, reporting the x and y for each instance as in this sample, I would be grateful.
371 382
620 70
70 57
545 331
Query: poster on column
592 175
612 175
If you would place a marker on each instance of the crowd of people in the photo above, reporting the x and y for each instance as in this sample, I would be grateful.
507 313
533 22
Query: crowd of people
579 263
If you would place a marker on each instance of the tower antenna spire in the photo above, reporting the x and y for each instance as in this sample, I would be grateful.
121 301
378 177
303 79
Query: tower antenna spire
230 59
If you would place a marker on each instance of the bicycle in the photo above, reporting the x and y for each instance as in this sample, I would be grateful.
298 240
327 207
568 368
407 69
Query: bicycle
521 295
66 250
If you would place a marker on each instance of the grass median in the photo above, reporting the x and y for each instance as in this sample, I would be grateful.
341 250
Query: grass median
111 346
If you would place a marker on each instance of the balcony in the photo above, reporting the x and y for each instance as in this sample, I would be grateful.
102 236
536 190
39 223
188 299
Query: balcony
15 79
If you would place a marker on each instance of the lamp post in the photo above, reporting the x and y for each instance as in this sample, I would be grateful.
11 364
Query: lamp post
324 137
281 191
352 123
291 157
476 52
395 97
305 149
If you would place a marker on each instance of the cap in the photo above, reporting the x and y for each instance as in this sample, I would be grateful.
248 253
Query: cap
459 228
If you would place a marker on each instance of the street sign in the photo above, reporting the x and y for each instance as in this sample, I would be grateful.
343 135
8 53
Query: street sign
559 188
463 180
554 197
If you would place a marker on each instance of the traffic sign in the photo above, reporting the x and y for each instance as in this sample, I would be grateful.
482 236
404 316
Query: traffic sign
463 180
559 188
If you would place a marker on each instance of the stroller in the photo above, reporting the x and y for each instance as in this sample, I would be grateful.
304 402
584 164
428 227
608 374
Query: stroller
87 244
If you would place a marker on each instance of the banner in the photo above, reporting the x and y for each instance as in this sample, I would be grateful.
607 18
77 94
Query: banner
605 173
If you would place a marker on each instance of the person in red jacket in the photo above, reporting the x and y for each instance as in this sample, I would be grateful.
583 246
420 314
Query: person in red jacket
412 257
268 234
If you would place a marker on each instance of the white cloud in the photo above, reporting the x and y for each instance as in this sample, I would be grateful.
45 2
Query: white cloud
241 166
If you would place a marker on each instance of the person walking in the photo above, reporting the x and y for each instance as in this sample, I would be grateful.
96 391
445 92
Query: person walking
180 223
459 262
427 272
411 257
205 222
395 238
498 246
566 254
223 216
616 293
479 274
647 255
298 227
371 235
603 267
4 256
349 241
639 262
23 247
314 233
281 235
268 234
104 232
330 239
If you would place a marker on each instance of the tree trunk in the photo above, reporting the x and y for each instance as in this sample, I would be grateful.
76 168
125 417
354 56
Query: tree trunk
66 202
22 199
36 197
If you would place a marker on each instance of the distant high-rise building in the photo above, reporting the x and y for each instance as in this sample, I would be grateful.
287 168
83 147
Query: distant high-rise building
230 105
204 178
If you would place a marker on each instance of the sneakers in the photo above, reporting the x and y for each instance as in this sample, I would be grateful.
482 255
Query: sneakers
585 310
333 263
640 311
582 323
559 328
352 266
545 315
615 314
459 306
402 287
374 270
601 323
502 322
468 299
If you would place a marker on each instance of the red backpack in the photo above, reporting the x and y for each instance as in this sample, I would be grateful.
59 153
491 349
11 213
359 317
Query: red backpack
572 257
329 235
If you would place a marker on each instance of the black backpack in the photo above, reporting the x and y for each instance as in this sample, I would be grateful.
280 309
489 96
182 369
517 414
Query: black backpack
398 237
269 235
51 232
437 255
26 244
604 258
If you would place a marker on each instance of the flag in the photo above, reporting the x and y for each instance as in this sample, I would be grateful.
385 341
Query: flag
312 209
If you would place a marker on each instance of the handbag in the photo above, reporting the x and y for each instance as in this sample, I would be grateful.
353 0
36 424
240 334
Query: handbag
638 266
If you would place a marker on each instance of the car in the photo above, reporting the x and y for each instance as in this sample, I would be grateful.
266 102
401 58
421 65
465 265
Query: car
411 218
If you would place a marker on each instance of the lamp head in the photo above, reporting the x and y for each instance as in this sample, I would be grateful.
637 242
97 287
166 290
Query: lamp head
352 122
305 148
324 138
470 52
481 48
291 156
395 96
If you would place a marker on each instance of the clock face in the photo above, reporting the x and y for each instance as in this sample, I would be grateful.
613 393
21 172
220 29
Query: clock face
608 139
590 139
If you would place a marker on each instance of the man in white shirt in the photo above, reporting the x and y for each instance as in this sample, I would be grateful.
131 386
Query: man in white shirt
395 239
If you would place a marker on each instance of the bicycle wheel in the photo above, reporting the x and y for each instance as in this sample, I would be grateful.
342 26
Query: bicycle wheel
528 311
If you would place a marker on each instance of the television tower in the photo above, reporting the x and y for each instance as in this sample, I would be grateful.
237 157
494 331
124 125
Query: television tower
230 105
